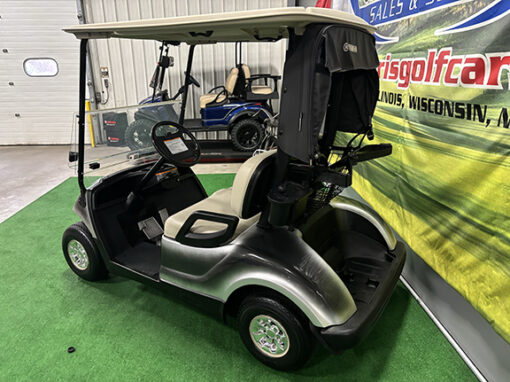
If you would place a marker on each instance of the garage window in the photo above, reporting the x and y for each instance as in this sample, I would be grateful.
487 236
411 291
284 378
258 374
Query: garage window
40 67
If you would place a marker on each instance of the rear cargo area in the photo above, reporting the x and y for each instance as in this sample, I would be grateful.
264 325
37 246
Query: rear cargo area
353 248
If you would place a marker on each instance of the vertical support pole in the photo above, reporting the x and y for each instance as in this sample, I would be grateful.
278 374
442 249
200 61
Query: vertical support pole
282 159
155 76
187 84
81 118
96 125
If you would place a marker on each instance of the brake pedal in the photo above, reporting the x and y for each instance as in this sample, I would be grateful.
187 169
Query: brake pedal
151 228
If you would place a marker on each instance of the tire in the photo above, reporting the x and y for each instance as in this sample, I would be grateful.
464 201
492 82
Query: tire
246 134
81 253
138 134
259 313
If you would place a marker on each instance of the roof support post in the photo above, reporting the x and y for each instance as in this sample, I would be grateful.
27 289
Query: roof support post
96 125
81 118
187 83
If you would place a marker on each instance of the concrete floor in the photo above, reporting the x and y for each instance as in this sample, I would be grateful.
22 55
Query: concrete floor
28 172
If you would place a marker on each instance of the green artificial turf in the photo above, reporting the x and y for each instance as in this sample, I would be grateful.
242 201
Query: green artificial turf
125 331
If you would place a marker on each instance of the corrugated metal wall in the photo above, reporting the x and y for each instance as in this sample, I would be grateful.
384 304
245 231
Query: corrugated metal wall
131 63
37 110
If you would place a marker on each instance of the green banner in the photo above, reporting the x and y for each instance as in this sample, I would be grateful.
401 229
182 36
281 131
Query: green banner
444 105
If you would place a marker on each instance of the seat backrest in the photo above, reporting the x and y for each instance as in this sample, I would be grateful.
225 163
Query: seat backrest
251 184
246 71
231 80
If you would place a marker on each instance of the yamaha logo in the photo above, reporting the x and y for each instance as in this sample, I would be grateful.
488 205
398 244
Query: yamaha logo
350 48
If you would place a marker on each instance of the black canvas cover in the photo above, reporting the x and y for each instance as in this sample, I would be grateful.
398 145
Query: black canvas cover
330 78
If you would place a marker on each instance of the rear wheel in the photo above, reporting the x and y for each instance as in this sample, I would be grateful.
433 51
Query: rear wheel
138 134
81 253
273 333
246 134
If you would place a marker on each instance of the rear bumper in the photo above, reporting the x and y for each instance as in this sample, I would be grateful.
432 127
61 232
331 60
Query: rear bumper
341 337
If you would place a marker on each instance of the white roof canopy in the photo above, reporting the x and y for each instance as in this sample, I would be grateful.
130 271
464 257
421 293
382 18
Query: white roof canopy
252 25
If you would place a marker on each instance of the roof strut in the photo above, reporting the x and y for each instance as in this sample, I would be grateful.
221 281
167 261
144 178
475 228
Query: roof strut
159 73
238 52
81 119
187 83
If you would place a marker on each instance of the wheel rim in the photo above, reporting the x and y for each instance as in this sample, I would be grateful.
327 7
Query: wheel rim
141 138
78 255
269 336
248 137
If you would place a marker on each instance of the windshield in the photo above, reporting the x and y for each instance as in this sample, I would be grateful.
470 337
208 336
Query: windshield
118 138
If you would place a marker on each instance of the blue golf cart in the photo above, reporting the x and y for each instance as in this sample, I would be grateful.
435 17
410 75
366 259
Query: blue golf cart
238 107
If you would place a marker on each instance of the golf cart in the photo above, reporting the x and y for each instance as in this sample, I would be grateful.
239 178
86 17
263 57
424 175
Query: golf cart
281 253
238 107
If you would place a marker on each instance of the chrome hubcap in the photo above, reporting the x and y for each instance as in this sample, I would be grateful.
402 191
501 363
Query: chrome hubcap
78 255
269 336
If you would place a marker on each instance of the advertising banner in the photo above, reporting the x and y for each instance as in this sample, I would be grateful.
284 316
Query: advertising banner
444 105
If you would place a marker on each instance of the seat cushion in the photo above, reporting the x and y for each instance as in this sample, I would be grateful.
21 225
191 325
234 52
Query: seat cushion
210 97
218 202
261 89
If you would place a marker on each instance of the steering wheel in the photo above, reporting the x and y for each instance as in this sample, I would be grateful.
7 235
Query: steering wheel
175 143
194 81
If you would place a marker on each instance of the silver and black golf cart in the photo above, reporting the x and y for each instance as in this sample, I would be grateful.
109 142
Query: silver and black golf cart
280 252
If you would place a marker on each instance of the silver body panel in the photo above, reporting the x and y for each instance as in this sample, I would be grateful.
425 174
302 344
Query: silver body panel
277 259
84 214
298 273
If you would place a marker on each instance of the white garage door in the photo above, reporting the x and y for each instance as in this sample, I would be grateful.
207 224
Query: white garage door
39 67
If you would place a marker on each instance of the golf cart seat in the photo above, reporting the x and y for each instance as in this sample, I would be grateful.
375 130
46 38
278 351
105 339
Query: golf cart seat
227 213
211 99
258 92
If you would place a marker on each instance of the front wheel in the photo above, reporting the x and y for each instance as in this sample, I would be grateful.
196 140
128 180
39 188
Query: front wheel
273 333
81 253
246 134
